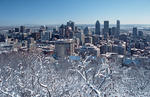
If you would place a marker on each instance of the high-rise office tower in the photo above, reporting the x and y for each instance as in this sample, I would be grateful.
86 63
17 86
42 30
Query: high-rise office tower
22 29
97 28
86 31
110 31
16 29
140 33
118 26
71 24
62 31
106 26
118 29
46 36
134 32
106 29
113 31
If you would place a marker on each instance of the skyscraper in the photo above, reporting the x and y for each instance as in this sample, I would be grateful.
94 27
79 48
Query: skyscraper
106 29
118 26
113 31
118 29
45 36
16 29
22 29
71 24
134 32
140 33
106 26
86 31
62 31
97 28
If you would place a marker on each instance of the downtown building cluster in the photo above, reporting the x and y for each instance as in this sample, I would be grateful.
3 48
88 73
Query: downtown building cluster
71 40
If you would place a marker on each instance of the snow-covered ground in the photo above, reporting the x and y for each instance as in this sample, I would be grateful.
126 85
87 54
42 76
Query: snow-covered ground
34 75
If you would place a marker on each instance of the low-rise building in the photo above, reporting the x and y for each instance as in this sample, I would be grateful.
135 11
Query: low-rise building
64 47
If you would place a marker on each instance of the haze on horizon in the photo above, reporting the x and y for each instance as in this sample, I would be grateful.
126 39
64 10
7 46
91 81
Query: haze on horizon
14 12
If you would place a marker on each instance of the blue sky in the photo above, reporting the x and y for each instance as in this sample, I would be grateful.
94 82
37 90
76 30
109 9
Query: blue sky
14 12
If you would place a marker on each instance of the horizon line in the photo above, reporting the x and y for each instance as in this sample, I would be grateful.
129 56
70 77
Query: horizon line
63 23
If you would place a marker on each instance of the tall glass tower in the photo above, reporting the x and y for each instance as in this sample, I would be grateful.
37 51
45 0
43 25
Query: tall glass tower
97 28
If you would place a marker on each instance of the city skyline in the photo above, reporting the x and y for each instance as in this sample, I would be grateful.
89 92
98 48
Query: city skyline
20 12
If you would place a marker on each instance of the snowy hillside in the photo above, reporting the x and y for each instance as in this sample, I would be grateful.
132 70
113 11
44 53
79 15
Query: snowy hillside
34 75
